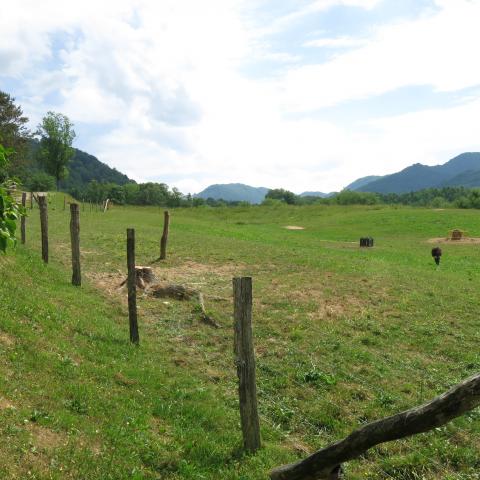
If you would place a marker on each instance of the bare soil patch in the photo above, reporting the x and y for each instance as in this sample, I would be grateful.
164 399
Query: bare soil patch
46 439
5 404
6 339
294 227
462 241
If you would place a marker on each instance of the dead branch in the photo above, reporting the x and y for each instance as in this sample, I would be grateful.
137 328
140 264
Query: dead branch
325 464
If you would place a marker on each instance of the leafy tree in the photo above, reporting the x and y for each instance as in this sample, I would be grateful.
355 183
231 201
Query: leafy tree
56 137
282 194
14 134
41 182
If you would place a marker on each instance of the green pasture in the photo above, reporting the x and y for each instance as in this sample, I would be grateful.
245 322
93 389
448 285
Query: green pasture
343 336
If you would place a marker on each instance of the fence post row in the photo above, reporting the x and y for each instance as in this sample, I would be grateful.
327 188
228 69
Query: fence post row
132 286
42 204
164 240
75 241
245 362
23 219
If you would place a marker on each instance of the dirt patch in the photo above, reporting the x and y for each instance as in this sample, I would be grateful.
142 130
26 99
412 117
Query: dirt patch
46 439
462 241
188 273
6 340
295 444
5 404
109 283
294 227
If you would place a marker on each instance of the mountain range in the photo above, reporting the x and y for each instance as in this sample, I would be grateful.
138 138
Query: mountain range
463 170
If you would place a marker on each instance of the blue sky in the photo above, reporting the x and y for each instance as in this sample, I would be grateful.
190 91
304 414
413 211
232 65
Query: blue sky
305 94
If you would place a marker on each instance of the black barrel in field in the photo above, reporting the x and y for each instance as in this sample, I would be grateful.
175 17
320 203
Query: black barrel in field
366 242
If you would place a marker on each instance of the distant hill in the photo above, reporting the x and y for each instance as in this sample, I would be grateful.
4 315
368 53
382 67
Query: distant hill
362 182
84 168
468 179
418 176
315 194
234 192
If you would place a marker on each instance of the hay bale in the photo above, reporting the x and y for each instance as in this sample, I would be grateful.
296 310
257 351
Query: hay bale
457 234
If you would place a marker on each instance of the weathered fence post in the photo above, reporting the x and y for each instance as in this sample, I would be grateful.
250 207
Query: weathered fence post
31 200
64 202
132 286
164 240
75 241
42 204
245 362
23 219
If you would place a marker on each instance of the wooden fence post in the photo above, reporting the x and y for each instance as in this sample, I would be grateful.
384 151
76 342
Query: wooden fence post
75 241
245 362
31 200
132 286
23 219
42 204
164 240
64 202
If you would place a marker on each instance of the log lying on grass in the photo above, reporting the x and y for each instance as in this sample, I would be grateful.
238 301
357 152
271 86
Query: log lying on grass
325 464
181 292
145 278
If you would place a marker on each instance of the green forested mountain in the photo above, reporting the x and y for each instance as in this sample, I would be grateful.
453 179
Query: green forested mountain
418 176
360 182
85 167
234 192
82 169
470 178
315 194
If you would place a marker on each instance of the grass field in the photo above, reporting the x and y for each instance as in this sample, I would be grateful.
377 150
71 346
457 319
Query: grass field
343 336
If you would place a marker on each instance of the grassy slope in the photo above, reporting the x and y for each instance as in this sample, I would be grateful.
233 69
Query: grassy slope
342 336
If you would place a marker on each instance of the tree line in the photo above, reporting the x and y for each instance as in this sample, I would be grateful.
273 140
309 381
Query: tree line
446 197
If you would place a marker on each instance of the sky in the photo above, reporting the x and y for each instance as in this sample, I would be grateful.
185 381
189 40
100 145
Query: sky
307 95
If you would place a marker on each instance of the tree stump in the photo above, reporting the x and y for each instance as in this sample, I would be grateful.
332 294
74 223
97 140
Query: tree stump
143 277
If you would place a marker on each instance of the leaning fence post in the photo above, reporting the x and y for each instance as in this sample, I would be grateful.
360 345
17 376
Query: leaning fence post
132 286
164 240
42 204
245 362
22 221
75 241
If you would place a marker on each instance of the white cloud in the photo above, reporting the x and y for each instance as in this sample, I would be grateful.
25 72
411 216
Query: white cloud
439 50
338 42
160 87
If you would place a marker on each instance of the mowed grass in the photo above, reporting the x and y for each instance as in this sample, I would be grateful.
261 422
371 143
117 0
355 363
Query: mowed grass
343 336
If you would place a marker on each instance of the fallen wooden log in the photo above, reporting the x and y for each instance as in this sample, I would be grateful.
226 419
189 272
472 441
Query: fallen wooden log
325 464
182 292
